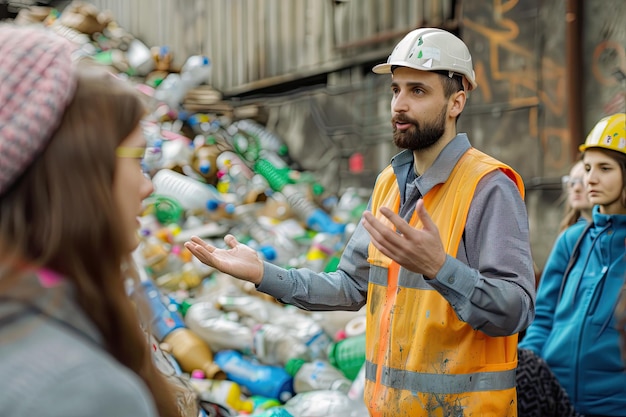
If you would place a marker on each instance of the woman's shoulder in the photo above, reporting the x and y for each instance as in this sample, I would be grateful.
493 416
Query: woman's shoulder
52 365
573 232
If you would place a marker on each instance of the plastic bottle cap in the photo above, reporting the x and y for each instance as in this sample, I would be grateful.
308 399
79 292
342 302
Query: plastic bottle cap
197 374
212 205
341 334
167 210
229 208
355 327
185 306
285 396
318 189
268 252
293 365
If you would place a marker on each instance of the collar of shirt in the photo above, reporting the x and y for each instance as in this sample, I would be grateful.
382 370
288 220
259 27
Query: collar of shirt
601 220
438 173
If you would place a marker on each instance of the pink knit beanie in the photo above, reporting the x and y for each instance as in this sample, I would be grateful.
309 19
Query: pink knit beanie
37 82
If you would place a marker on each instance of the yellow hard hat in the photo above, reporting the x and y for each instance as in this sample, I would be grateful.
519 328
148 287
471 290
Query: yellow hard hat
608 133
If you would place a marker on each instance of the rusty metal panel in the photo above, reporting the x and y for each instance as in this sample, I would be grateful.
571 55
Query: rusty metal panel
255 43
517 114
506 111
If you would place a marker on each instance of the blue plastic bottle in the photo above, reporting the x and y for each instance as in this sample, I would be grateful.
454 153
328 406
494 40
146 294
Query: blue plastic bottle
165 315
265 380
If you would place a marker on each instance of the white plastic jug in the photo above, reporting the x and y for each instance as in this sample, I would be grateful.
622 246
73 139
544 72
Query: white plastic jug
189 192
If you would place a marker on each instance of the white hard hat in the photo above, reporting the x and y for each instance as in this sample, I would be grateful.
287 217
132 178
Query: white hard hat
430 49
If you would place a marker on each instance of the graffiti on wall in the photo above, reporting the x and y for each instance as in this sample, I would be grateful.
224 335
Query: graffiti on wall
609 70
512 70
539 83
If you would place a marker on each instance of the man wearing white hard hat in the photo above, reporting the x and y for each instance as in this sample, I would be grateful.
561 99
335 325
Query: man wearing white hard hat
442 256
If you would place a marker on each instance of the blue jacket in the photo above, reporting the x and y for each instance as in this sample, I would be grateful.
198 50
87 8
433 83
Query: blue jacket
574 328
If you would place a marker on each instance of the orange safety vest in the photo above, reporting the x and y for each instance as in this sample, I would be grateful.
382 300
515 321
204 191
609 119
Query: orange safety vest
421 359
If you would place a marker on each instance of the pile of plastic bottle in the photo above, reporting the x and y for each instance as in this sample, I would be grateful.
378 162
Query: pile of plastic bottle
253 356
240 349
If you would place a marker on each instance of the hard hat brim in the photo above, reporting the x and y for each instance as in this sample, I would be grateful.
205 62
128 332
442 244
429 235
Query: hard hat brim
382 68
386 69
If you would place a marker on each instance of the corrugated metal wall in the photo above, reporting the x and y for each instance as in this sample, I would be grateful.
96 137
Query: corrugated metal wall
258 43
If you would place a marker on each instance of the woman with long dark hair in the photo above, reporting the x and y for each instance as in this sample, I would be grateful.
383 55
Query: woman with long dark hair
71 189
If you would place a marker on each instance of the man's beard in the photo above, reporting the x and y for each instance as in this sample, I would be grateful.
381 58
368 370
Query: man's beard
417 137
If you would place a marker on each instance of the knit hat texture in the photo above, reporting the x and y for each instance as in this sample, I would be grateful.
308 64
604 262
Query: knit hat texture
37 82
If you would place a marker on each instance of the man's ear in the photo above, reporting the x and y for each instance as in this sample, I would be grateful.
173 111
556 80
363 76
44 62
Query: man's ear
457 103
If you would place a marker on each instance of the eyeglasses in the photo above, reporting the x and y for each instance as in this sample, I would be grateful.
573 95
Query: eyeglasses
571 182
149 156
130 152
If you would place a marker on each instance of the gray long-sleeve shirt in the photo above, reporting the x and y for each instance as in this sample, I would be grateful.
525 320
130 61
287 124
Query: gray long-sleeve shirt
490 284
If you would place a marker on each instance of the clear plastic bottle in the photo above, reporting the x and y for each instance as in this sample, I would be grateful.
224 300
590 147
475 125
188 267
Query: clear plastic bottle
306 330
217 328
195 71
246 305
357 389
350 206
273 345
325 403
268 141
316 375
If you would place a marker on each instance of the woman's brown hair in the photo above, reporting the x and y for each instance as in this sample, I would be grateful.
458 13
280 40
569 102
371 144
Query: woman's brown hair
60 214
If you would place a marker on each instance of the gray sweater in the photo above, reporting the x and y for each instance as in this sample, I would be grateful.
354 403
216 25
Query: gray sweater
52 359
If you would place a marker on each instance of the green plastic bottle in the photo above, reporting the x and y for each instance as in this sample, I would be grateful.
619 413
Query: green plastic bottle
348 355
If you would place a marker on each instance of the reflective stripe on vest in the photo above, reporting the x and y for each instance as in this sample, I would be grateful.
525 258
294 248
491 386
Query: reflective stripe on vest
442 383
